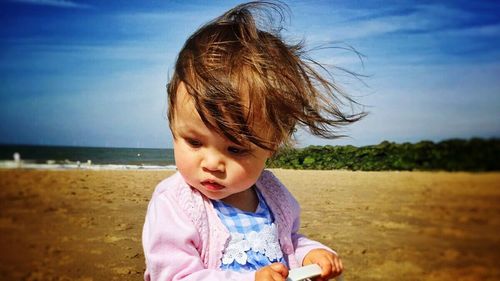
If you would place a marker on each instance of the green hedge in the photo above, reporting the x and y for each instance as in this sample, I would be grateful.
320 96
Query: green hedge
449 155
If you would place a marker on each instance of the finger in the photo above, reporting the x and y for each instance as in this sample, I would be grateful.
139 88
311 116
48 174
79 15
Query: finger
336 268
326 267
332 258
280 268
276 276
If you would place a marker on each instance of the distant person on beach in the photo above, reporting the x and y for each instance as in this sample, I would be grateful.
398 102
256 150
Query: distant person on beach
237 95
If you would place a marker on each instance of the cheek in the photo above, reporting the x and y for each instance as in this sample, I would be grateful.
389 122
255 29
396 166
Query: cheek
183 161
250 170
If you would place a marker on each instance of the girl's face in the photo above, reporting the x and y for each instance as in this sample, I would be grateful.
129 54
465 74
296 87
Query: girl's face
210 163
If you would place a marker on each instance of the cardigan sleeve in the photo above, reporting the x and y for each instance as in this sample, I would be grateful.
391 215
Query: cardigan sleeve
171 242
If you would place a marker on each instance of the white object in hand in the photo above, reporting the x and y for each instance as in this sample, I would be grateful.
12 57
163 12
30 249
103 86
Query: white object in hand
303 273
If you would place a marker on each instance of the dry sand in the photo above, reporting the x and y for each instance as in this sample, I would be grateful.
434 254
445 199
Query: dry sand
86 225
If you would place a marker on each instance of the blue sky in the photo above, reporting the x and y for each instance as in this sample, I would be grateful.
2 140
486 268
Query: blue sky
93 73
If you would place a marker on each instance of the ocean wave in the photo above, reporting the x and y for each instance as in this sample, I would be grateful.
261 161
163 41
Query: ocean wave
79 166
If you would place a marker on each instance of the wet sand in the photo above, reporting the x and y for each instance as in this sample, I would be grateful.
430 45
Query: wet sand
86 225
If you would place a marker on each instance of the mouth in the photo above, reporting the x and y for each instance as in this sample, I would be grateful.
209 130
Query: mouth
212 185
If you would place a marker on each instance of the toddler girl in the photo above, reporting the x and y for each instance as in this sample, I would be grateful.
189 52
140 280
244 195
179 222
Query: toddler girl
237 94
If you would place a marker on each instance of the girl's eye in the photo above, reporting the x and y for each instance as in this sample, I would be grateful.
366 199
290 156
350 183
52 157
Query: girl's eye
237 151
193 142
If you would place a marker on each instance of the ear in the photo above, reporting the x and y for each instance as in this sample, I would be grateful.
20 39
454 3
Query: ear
269 154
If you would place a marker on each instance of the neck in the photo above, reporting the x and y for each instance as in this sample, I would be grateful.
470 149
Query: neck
246 200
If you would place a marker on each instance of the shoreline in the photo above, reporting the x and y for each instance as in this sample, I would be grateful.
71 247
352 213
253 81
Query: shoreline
7 165
31 165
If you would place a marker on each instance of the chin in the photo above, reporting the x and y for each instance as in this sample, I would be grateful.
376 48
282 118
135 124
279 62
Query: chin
214 196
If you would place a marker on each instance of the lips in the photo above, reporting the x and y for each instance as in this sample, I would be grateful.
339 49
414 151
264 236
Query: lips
211 185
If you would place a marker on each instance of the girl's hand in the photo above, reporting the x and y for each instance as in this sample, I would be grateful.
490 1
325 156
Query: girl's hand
331 265
273 272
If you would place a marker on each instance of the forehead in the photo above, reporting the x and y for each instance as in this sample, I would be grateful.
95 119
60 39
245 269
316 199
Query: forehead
186 116
185 109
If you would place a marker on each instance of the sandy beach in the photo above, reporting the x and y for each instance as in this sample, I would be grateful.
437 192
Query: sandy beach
86 225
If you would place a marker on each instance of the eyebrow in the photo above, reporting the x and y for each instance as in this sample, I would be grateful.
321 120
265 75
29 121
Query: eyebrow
190 130
186 129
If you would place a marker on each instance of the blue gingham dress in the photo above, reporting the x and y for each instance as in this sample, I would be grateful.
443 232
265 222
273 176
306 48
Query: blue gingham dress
254 237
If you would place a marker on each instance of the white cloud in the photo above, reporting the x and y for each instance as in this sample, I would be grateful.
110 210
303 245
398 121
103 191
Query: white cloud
349 23
54 3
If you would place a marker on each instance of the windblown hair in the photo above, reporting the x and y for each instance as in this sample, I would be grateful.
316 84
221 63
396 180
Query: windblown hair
239 75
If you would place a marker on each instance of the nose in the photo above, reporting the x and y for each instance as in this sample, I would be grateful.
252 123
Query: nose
213 162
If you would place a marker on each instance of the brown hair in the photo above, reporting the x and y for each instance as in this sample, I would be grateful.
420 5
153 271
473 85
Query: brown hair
239 75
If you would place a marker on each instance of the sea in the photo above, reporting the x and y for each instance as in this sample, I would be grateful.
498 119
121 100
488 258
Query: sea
97 158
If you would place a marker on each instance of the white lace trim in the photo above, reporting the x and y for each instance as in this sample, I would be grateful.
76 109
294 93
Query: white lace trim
265 242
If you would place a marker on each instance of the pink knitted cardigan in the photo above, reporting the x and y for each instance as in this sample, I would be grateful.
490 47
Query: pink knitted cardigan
183 238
